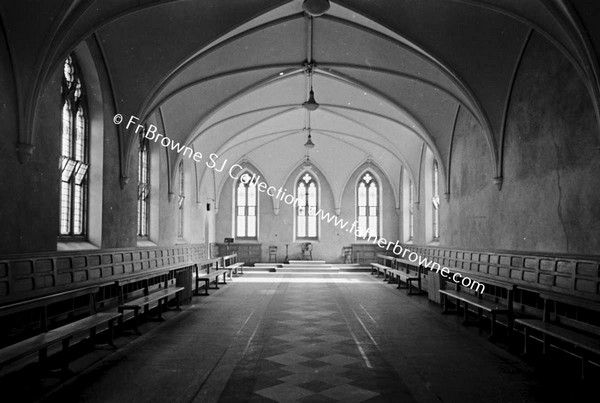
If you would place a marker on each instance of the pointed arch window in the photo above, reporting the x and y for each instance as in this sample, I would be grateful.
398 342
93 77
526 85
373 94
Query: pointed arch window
306 211
74 163
436 202
246 207
180 201
367 203
143 187
411 210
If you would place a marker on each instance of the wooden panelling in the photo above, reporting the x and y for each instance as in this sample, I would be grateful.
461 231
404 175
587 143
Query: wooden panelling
574 275
22 276
248 253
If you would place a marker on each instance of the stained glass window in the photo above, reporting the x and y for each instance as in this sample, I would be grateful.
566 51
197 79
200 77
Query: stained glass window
180 201
306 218
411 210
436 202
73 164
368 206
246 207
143 186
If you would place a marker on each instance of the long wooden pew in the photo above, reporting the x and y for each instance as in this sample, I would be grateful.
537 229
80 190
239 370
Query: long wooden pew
153 291
230 263
382 265
479 302
208 272
403 274
568 334
51 334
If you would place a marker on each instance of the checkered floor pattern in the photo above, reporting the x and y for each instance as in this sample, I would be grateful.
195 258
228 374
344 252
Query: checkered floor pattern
304 350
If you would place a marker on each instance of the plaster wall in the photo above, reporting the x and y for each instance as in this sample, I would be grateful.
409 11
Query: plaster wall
549 200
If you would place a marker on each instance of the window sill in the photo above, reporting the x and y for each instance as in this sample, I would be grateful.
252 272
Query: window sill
74 246
144 242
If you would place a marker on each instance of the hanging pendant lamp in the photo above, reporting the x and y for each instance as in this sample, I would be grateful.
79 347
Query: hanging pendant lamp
315 8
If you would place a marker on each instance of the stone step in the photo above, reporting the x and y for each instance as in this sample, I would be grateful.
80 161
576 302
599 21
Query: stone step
306 262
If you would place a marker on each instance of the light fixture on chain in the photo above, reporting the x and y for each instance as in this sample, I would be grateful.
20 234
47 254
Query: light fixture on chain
311 104
315 8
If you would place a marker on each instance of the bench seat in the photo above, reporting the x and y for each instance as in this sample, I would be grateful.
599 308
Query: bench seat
408 278
63 334
493 308
583 342
210 277
234 267
559 332
381 268
159 297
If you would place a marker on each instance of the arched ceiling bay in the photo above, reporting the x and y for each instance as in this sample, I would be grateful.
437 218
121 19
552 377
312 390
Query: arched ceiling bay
189 62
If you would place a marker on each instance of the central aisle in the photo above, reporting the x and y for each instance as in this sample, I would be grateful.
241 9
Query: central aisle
306 337
310 347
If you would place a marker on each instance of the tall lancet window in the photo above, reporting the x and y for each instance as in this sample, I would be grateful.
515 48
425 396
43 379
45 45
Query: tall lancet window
74 154
411 210
367 204
306 218
436 202
246 204
143 186
180 201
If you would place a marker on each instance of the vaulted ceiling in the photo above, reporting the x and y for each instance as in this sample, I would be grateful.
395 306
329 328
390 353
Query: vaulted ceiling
229 76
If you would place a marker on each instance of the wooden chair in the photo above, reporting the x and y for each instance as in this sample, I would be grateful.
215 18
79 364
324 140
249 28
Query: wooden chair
347 254
306 250
272 254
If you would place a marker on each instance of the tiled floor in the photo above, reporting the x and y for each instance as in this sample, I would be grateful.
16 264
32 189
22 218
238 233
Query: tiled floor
306 338
305 350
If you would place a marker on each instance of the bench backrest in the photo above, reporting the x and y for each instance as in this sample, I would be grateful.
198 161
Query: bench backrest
27 276
385 259
400 263
208 264
229 259
26 318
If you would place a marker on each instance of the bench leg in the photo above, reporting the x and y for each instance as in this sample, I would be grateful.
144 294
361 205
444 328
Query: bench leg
64 355
492 326
525 337
136 319
545 343
465 312
398 278
111 333
43 356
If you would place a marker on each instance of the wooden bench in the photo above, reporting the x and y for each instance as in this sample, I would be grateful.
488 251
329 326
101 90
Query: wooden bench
572 336
50 334
207 272
405 275
382 265
231 264
482 302
142 305
61 335
155 291
67 301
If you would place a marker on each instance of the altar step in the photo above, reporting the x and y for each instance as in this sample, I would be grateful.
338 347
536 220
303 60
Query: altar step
308 266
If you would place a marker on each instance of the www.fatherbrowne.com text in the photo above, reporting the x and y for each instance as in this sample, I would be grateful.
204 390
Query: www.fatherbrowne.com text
235 170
